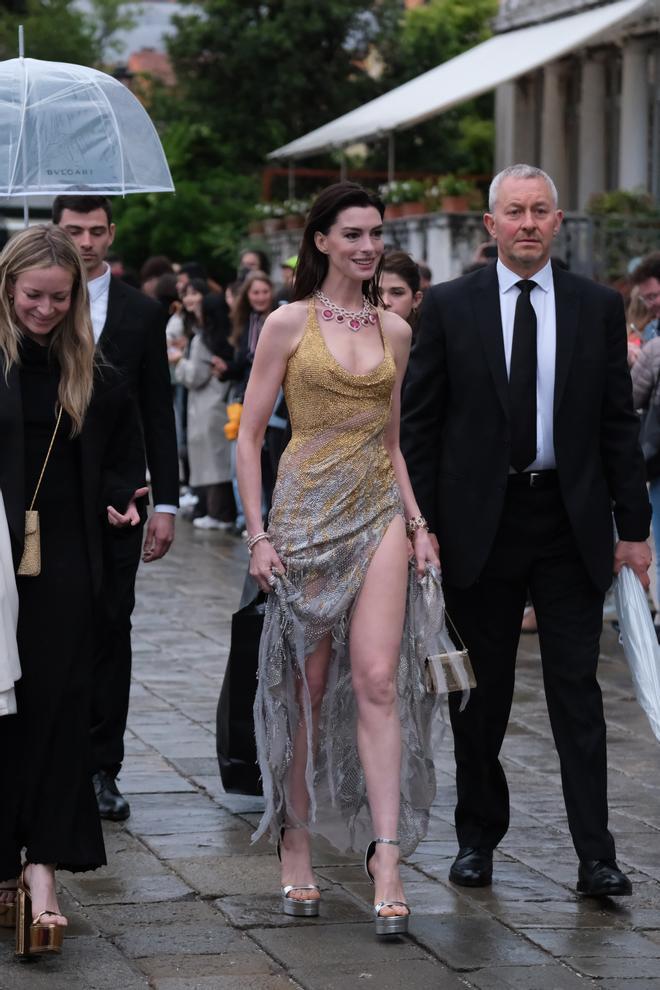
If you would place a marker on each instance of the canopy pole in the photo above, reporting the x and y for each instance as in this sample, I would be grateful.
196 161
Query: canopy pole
292 180
343 171
21 55
390 157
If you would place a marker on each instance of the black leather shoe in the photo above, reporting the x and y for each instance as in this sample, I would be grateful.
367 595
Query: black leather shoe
113 806
473 867
602 878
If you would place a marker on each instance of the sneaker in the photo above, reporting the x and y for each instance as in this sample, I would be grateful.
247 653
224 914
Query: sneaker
188 500
208 522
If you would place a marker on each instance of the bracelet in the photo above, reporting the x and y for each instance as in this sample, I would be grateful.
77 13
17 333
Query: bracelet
253 540
416 523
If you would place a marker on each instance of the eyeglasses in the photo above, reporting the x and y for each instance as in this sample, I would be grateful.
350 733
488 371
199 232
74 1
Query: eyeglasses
650 297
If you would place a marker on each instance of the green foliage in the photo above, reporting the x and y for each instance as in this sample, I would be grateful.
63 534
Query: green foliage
54 30
626 224
402 191
58 31
262 72
623 203
110 16
203 221
462 138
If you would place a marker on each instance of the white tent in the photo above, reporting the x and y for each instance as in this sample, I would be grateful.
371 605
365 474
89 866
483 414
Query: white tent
498 60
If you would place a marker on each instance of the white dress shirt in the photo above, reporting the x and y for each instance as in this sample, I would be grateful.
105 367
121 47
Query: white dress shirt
543 300
99 289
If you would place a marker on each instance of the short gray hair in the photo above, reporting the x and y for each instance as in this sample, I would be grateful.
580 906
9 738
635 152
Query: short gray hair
520 172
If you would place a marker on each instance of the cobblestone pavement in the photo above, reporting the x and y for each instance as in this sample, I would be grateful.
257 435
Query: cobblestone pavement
187 903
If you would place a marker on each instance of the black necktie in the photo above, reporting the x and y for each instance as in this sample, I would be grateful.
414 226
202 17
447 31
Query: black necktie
522 380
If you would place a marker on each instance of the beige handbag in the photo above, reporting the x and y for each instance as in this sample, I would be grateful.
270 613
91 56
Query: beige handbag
450 671
30 565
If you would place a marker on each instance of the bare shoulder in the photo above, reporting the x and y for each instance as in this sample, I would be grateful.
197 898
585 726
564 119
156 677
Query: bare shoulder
285 326
396 330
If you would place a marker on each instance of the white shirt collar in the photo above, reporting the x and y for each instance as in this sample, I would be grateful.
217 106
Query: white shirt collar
507 279
97 286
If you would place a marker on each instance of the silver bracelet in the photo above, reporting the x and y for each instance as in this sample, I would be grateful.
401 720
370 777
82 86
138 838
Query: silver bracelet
253 540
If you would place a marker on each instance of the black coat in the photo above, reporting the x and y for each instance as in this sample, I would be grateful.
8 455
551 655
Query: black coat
455 424
112 462
133 342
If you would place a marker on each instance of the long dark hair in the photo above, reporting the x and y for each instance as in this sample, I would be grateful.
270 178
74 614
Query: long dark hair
189 321
216 326
312 265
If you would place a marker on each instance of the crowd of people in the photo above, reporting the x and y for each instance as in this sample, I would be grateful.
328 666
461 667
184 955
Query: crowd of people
288 413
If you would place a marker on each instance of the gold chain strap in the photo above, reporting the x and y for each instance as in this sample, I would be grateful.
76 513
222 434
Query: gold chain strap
50 447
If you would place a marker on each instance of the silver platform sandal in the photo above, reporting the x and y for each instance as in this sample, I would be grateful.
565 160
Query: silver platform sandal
393 924
297 908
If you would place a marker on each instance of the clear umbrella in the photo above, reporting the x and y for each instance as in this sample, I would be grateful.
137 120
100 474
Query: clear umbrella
69 128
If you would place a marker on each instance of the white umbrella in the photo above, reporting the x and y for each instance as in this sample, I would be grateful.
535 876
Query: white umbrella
69 128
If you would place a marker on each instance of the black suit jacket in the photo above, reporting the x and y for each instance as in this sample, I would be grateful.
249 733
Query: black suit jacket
133 342
111 460
455 424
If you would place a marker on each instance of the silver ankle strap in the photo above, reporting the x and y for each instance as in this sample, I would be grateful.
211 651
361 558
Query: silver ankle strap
388 842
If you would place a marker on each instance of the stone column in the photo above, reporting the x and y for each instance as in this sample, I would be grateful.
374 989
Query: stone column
505 125
592 151
634 117
553 132
439 249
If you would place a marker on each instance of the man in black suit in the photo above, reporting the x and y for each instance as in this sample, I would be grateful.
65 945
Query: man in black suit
521 441
130 330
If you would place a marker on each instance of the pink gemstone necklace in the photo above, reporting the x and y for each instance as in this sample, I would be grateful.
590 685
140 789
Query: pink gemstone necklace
354 321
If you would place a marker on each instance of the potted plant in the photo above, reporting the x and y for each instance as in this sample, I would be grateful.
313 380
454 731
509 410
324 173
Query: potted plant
403 197
295 211
626 225
270 215
456 194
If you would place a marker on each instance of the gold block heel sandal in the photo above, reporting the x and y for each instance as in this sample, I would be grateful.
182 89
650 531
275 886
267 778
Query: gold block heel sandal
294 906
391 924
34 938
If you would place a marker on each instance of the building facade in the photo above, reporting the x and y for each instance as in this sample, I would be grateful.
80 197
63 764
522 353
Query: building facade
592 118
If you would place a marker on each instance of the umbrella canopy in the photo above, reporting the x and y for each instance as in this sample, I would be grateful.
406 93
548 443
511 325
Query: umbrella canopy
69 128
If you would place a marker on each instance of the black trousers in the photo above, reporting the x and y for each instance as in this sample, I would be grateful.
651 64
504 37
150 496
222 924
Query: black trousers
534 549
112 670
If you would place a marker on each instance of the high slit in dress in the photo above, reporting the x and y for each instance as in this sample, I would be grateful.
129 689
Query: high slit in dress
335 497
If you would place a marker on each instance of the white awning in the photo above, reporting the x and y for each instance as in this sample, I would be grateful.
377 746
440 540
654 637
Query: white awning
501 58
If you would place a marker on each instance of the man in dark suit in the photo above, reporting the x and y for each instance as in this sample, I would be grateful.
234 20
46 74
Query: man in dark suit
130 330
521 441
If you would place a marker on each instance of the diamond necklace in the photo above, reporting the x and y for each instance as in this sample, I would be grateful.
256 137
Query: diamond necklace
354 321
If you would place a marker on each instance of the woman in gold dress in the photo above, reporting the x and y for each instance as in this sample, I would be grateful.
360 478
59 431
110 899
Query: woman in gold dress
341 725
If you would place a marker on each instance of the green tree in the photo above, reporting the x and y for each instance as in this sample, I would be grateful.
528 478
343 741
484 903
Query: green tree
251 76
59 31
54 30
462 138
262 72
110 16
204 220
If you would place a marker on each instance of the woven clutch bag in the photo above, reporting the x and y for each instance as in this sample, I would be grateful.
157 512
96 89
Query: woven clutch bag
30 565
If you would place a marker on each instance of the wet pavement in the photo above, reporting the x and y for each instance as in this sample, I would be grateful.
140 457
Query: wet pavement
187 903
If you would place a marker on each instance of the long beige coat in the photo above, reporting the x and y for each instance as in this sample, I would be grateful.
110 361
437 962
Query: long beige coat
209 451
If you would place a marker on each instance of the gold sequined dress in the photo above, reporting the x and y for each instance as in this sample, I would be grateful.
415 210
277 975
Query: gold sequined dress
335 496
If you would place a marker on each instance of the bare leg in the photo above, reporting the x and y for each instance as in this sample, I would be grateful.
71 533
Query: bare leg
40 880
375 642
295 849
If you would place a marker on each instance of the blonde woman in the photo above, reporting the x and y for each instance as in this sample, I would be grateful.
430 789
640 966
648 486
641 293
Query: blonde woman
53 398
